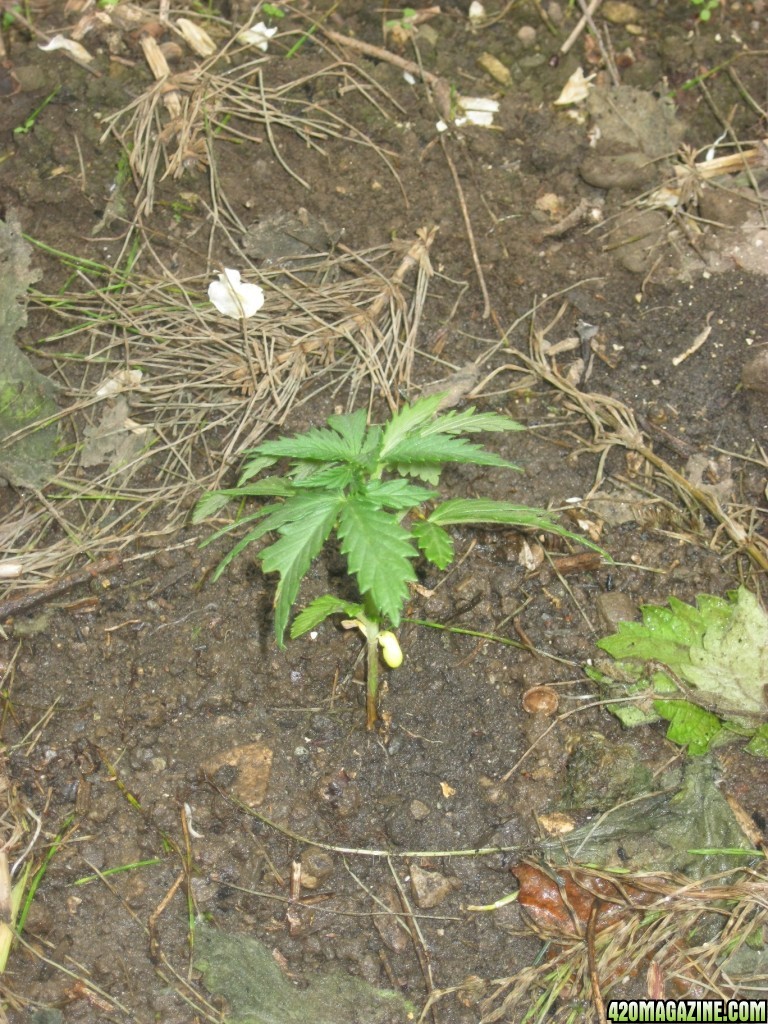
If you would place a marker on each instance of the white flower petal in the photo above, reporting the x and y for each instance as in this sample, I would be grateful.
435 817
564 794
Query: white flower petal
575 89
235 298
258 36
476 11
77 50
481 103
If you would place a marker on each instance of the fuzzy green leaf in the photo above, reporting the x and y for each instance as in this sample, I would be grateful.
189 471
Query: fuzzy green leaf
689 725
378 552
312 518
434 542
719 648
320 609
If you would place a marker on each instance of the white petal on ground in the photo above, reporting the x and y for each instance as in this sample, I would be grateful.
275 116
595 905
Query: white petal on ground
77 50
575 89
233 297
258 36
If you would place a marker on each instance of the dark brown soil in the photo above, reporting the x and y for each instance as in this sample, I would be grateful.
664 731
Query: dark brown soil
120 709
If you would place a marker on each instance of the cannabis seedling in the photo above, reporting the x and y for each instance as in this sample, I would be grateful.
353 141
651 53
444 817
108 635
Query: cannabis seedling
356 481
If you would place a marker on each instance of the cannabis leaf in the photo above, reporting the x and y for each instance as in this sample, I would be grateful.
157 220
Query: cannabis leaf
356 480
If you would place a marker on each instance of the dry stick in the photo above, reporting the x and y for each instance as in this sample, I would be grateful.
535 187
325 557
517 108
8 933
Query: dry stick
468 227
610 63
601 410
580 25
15 605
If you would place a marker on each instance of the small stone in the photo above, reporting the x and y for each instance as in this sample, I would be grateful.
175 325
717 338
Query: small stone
754 374
619 13
614 608
419 811
526 35
430 888
316 869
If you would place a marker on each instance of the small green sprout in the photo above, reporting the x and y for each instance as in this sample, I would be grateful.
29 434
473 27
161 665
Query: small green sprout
28 124
707 8
357 482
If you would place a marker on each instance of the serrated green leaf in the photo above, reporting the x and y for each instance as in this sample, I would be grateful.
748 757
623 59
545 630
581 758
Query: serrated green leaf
718 649
469 422
255 464
352 427
209 504
301 538
397 494
427 472
441 448
320 609
333 478
378 552
435 543
318 445
406 421
689 725
237 524
502 513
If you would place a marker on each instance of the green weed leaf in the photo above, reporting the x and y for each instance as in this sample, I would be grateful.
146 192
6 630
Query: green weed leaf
397 494
441 448
357 480
502 513
406 421
320 609
435 543
378 552
302 537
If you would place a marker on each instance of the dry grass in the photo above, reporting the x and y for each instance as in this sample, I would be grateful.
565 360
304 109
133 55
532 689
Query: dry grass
208 388
672 937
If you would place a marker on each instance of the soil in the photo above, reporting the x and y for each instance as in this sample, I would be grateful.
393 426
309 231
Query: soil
149 717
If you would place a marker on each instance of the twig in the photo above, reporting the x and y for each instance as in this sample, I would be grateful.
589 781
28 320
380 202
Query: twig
23 602
470 232
607 56
580 25
697 342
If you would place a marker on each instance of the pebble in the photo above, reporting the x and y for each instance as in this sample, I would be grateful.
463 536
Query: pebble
430 888
615 607
419 811
754 374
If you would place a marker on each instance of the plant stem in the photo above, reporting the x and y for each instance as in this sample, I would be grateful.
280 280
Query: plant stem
372 695
372 630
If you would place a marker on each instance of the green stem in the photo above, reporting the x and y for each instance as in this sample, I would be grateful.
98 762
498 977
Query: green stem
372 696
372 630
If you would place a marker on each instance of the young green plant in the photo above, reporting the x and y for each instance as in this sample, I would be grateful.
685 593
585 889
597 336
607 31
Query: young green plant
359 482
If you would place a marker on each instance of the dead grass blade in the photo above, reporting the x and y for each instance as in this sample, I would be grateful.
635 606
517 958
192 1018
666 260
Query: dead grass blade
685 937
163 394
613 425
